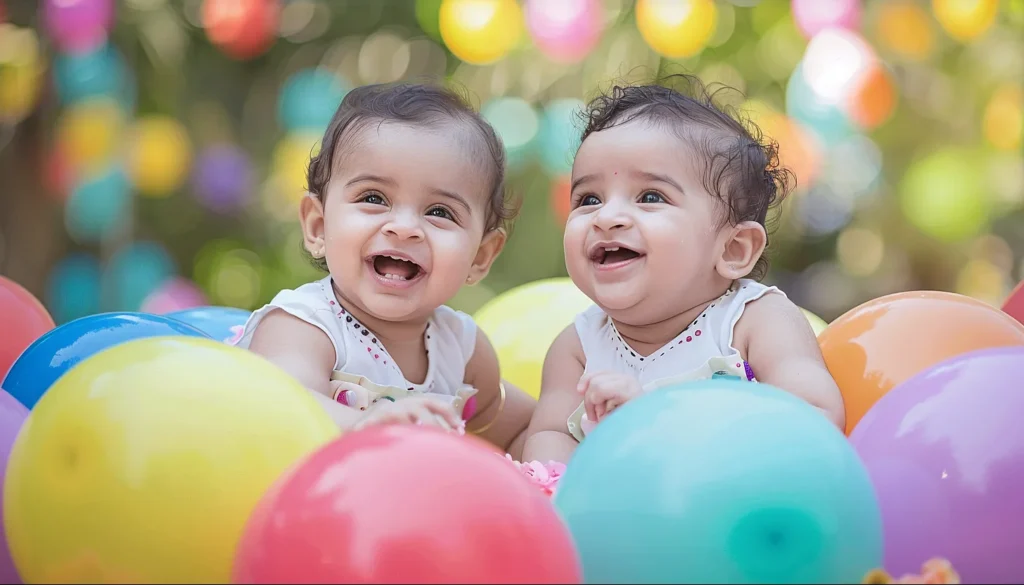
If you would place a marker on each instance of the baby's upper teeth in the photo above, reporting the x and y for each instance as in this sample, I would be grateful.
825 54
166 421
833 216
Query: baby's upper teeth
395 257
614 249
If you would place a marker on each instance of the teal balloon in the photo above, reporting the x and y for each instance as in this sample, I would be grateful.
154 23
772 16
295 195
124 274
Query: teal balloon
516 123
720 481
97 206
73 289
826 120
560 132
100 72
309 99
132 273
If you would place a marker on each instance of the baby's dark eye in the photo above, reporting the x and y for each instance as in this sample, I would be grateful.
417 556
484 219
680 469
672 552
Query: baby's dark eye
589 200
440 212
373 198
651 197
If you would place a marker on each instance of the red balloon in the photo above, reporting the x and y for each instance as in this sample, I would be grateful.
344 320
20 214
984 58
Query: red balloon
403 504
23 319
241 28
1014 305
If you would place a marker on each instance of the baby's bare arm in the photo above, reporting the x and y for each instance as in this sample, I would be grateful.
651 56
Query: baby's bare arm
505 422
782 350
307 354
548 437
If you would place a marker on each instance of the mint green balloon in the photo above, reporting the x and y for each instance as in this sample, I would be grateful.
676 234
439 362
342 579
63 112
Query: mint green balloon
720 481
559 138
516 123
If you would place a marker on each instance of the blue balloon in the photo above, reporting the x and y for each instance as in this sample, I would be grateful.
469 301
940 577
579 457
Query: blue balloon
100 72
223 323
132 273
309 99
720 481
825 120
74 288
97 206
560 133
62 348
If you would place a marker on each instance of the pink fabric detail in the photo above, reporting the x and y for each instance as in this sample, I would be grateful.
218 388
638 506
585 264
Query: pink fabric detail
236 335
544 476
470 408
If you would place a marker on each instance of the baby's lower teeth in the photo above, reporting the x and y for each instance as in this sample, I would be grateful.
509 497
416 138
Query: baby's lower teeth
395 277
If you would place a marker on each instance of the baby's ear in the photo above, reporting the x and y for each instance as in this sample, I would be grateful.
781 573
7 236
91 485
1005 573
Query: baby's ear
311 218
490 247
741 248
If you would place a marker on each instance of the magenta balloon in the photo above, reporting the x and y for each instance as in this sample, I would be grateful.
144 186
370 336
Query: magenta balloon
814 16
78 26
223 178
567 30
945 451
12 416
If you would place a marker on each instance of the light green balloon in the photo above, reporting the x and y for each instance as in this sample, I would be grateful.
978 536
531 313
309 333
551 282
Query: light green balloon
516 123
560 135
943 195
428 16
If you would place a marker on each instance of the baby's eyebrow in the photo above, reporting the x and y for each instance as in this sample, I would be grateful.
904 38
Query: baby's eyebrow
368 178
453 196
660 179
581 180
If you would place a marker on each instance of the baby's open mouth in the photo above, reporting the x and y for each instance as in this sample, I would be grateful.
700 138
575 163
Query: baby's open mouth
613 255
394 268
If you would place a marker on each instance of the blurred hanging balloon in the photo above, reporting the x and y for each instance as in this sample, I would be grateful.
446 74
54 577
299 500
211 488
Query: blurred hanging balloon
566 30
965 20
243 29
90 134
223 179
560 134
561 205
74 288
160 155
814 16
174 294
516 123
874 100
57 175
98 206
814 112
290 161
428 16
21 72
905 29
134 272
309 99
78 26
798 149
944 196
1003 122
100 72
480 31
676 28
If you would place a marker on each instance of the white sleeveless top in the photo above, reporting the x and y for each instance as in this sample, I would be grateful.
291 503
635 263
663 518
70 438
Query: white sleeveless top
361 358
702 350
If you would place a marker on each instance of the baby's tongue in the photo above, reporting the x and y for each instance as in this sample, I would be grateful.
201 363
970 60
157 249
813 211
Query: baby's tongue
385 265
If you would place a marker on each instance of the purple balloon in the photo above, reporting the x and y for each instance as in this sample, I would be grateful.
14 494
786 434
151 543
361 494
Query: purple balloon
945 451
223 178
78 26
12 416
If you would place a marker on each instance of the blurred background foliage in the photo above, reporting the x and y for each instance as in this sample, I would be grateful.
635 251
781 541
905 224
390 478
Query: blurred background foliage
152 152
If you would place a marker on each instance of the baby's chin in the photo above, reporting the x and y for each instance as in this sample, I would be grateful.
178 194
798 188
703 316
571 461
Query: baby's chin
616 301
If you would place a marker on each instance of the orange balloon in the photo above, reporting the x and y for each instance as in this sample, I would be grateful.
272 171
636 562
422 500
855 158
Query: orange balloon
560 204
875 99
876 346
243 29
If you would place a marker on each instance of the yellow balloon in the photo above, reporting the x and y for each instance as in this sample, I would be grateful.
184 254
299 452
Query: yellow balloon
480 31
523 322
965 20
817 323
676 28
290 162
89 133
142 463
21 72
160 156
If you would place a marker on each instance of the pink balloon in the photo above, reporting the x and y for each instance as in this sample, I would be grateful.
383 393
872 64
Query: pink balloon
564 30
78 26
174 295
814 16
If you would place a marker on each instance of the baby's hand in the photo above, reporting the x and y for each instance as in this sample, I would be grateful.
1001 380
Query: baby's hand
416 410
603 392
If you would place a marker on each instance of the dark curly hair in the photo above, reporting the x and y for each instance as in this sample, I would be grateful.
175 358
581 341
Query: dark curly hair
417 104
741 167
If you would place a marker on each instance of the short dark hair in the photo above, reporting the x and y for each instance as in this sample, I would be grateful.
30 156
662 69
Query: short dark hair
418 104
742 167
